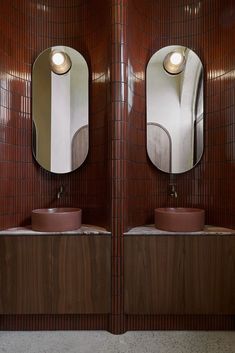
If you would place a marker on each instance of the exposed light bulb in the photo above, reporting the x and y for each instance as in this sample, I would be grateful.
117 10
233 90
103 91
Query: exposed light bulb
174 62
60 62
176 58
58 58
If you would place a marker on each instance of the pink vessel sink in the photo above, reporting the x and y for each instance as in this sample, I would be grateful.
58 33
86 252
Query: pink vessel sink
180 219
56 219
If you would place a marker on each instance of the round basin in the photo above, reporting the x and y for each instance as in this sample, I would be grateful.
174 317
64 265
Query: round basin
56 219
180 219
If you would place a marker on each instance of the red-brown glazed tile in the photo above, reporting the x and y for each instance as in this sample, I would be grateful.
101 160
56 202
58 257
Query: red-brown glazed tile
26 31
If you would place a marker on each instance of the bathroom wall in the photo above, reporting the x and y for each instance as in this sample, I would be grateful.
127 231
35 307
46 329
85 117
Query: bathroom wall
207 27
117 186
30 27
26 29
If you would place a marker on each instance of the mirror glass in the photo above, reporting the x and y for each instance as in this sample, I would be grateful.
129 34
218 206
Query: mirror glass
174 83
60 109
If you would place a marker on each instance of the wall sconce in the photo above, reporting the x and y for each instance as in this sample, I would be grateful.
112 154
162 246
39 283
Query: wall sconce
174 62
60 62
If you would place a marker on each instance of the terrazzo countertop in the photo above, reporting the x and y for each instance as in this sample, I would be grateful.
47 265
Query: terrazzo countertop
86 229
151 230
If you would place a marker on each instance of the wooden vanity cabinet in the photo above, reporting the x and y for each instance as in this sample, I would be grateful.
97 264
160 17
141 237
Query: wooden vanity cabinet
179 274
25 274
55 274
81 275
210 274
153 275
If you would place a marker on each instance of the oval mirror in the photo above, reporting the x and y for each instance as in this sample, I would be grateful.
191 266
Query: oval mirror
60 109
174 83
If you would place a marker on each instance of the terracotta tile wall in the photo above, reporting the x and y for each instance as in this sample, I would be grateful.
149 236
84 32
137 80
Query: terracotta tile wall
26 29
117 186
119 137
208 27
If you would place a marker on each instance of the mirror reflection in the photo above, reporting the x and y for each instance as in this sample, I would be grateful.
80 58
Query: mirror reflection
60 109
174 85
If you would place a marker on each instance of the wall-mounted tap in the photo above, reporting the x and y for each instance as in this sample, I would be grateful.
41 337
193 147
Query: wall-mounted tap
172 186
173 192
60 192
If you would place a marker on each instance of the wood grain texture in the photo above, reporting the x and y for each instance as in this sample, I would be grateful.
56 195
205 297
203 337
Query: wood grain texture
55 274
153 275
209 275
81 275
192 275
25 275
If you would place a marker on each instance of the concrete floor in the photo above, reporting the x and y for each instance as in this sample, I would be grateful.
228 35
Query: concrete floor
130 342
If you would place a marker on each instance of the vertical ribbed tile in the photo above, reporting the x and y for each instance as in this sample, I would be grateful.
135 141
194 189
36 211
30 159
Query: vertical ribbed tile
117 187
179 322
54 322
207 28
27 28
117 162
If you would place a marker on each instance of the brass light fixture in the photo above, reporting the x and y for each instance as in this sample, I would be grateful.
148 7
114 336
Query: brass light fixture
174 62
60 62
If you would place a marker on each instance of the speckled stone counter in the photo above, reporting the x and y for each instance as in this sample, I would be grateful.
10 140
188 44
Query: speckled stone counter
151 230
86 229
